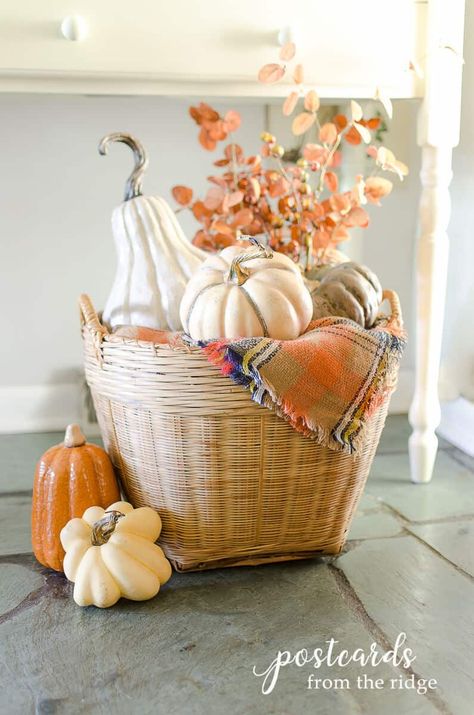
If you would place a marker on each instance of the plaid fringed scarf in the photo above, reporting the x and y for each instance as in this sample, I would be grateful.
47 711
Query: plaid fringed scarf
326 383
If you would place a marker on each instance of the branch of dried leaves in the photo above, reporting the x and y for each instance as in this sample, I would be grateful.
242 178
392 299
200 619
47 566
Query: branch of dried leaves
297 207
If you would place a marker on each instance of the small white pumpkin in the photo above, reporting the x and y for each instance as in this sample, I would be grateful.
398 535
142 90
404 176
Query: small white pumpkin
244 293
155 259
111 554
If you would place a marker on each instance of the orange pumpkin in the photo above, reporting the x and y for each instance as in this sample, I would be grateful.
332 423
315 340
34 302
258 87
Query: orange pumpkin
70 477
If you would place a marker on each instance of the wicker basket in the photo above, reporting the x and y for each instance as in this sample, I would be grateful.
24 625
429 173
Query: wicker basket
234 483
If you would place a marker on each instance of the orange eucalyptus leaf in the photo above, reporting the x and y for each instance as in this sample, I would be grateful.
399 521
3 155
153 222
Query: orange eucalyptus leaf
287 52
278 187
376 187
331 181
314 152
203 240
340 121
271 73
311 101
242 218
216 131
182 194
201 213
298 74
232 199
232 120
194 113
214 197
217 180
222 240
357 217
374 122
255 189
290 103
302 122
352 136
222 227
328 133
339 234
206 141
207 112
336 159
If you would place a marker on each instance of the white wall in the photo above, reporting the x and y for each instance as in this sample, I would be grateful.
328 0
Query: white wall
458 345
55 203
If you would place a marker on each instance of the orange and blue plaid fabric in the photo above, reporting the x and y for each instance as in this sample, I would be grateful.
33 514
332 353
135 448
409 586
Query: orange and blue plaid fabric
326 383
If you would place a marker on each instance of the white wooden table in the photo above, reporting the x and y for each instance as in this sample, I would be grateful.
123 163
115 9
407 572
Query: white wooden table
212 48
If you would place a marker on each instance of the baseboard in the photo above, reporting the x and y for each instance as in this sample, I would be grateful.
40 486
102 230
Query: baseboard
457 424
45 408
40 408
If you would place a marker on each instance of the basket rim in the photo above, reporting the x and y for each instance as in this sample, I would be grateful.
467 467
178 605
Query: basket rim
90 320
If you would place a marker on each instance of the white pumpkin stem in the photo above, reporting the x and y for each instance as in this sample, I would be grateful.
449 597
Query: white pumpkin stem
103 529
74 436
238 274
133 187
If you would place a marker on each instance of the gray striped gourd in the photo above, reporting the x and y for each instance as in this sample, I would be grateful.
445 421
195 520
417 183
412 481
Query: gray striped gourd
246 292
349 290
155 259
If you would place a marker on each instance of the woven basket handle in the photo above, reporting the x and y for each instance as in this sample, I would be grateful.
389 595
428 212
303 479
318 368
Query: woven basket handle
90 319
395 321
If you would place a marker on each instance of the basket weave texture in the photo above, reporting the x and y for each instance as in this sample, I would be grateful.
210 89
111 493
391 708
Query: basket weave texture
234 484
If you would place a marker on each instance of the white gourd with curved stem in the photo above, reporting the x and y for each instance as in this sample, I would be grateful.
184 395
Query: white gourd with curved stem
155 259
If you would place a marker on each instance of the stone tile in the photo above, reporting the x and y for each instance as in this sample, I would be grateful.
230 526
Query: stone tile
15 518
374 524
192 649
368 502
450 493
454 540
16 583
19 454
395 435
405 587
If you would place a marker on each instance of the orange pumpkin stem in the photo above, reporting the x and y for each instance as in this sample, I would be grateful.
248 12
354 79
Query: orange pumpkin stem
74 436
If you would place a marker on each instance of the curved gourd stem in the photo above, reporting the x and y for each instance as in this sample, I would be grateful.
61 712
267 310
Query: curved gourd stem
133 187
103 529
238 274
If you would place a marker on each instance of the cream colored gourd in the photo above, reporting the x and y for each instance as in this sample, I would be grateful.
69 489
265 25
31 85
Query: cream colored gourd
349 290
246 292
155 259
111 554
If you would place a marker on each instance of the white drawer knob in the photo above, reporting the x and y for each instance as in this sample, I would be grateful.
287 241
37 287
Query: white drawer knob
74 28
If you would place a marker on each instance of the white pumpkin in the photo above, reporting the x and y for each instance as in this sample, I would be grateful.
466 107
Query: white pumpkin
155 259
246 292
111 554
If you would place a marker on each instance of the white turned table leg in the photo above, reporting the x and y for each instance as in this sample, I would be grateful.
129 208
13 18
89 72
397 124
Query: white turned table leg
431 273
438 133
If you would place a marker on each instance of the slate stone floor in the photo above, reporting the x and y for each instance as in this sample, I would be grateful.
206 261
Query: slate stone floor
407 568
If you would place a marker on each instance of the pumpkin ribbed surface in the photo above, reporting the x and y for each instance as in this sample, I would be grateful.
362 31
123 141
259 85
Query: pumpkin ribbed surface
68 480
